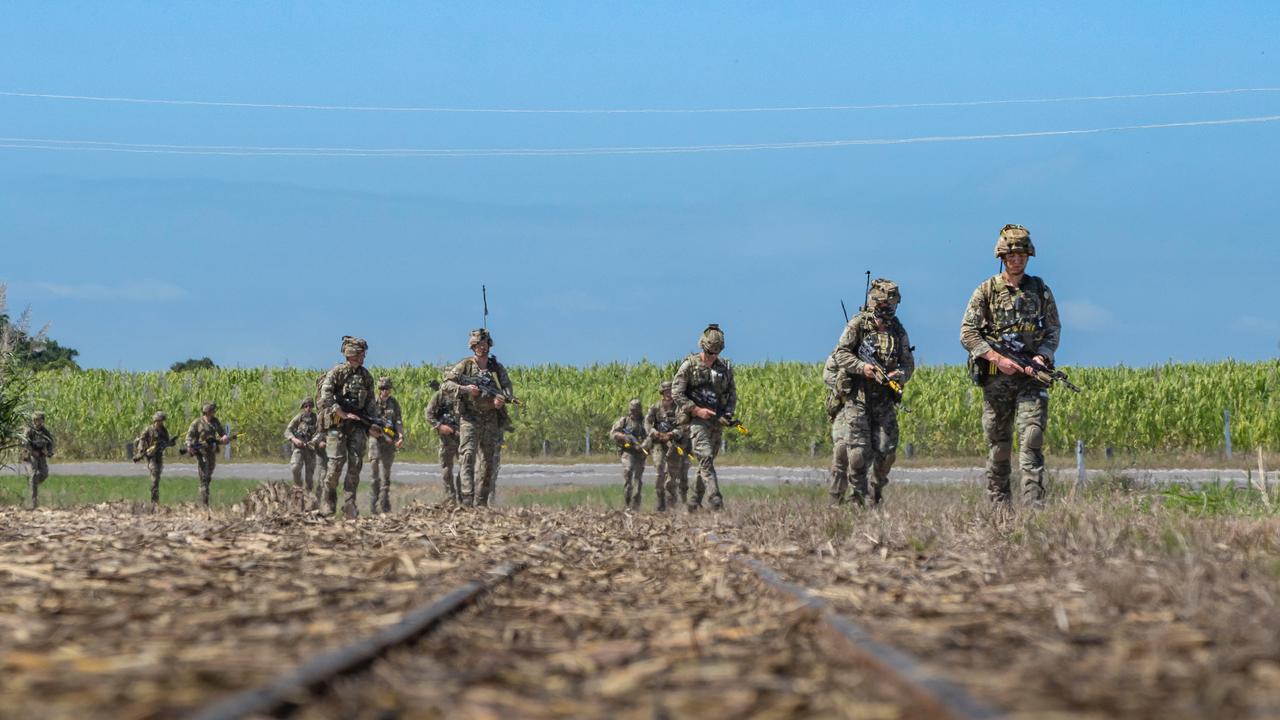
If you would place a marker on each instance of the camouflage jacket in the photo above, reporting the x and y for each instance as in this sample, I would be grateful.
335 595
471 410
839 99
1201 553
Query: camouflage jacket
473 408
890 347
628 424
37 442
153 437
715 382
389 410
350 386
1027 313
662 417
203 432
305 426
443 409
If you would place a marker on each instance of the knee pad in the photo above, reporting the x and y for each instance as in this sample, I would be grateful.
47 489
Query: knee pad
1002 451
858 458
1033 437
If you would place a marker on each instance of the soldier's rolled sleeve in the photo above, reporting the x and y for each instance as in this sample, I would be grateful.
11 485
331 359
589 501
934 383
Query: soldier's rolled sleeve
619 426
680 389
846 352
971 326
328 396
651 422
451 376
907 363
193 434
291 431
731 399
1052 327
433 410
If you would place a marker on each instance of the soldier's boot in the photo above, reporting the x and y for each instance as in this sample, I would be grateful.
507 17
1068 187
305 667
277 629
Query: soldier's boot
876 496
661 501
204 493
155 491
858 498
35 494
715 502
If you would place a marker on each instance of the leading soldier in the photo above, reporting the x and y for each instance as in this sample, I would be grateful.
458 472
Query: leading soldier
670 450
1019 309
705 395
442 415
151 445
302 433
383 453
482 416
203 437
875 354
37 448
628 432
346 401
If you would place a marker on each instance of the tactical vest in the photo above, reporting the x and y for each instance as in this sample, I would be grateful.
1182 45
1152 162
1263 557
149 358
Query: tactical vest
1019 311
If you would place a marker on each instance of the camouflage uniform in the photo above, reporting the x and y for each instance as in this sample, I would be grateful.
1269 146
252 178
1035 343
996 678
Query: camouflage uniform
351 388
1028 315
867 424
37 446
443 409
305 428
671 457
839 389
633 458
156 435
705 435
202 441
480 437
383 452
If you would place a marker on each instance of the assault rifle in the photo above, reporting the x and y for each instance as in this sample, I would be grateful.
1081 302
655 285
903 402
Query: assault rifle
450 420
1010 346
370 422
631 443
665 427
488 385
706 398
157 447
867 354
214 442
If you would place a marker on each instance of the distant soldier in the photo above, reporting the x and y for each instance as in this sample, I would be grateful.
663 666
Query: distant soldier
1018 309
37 448
322 455
442 415
483 389
629 433
706 397
151 444
670 450
303 432
383 452
203 437
839 389
877 360
347 400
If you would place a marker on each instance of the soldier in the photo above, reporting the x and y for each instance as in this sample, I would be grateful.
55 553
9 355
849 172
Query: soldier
383 452
442 414
839 388
628 432
37 448
482 416
303 432
670 450
1020 308
151 445
875 354
705 396
203 437
346 401
322 456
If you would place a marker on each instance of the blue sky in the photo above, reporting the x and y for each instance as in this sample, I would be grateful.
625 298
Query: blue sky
1160 244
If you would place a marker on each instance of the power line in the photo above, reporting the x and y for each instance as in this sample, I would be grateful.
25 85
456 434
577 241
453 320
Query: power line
251 150
631 111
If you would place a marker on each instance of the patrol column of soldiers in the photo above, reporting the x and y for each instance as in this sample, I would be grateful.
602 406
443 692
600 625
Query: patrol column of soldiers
482 416
346 400
151 445
864 431
708 377
442 415
1019 307
203 437
37 448
629 433
670 450
383 453
302 433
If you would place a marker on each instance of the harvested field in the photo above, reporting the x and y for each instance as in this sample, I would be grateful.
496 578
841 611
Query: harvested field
1123 604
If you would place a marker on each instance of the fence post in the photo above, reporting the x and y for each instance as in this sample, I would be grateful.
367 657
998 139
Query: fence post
911 450
1081 473
1226 430
587 434
1262 480
546 448
813 448
226 449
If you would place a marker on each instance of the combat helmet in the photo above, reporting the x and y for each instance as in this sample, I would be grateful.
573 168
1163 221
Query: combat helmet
478 336
884 297
1014 238
159 416
384 383
712 339
353 346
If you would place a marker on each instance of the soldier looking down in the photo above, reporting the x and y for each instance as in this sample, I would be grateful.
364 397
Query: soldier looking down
670 450
629 432
706 397
383 453
483 389
151 445
203 438
346 401
442 415
303 433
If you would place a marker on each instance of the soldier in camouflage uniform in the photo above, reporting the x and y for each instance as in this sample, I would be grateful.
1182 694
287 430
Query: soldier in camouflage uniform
383 452
670 450
1020 309
709 378
839 389
483 417
203 437
346 397
632 452
867 423
303 432
151 445
37 448
442 414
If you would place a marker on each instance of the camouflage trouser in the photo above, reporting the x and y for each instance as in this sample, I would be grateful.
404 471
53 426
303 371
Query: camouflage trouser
864 436
39 471
632 479
346 444
381 455
156 466
449 453
1010 401
672 468
322 473
303 464
479 441
705 438
206 461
